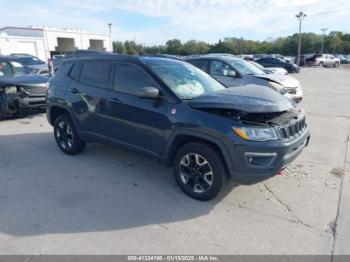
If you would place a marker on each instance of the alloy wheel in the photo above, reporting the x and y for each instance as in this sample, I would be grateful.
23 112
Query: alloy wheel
196 173
64 135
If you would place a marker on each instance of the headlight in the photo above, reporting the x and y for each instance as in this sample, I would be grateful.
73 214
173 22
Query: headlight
277 87
11 90
256 133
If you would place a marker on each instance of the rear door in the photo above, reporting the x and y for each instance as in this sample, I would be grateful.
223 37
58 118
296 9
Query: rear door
87 94
133 121
202 64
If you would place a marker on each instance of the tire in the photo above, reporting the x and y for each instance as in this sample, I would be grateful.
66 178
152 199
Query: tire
336 64
199 171
321 64
66 136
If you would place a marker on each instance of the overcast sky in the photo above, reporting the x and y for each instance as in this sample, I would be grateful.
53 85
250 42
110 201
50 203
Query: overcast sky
155 21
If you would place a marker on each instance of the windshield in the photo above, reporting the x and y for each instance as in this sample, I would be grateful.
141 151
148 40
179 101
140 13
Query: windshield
245 67
185 80
11 68
30 60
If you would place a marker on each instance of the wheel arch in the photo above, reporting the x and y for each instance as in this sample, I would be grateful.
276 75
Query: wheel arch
179 139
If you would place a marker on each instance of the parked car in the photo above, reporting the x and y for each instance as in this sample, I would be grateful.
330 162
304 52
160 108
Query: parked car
232 71
179 115
327 60
33 63
270 70
20 88
344 59
278 62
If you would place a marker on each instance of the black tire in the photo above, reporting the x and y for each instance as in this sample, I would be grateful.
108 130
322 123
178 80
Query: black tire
321 64
336 64
66 136
200 184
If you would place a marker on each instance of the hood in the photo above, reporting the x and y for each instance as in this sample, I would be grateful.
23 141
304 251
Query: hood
249 98
285 80
40 66
24 80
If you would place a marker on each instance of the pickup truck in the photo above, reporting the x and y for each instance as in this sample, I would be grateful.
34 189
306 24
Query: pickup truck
327 60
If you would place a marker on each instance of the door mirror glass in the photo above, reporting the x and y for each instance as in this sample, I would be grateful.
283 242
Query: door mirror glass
148 92
231 73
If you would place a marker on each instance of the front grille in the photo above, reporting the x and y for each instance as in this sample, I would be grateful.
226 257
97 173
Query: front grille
35 90
293 130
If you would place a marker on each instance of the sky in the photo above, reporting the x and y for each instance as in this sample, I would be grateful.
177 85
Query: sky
156 21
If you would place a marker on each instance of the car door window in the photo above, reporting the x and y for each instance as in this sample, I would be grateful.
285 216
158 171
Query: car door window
96 74
219 68
201 64
5 69
129 78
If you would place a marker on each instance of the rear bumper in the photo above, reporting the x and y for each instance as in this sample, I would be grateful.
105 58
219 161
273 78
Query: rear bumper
257 161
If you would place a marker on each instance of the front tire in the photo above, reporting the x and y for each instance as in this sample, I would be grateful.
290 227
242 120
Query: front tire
199 171
66 136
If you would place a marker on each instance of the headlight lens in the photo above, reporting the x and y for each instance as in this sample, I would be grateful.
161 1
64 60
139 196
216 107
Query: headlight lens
11 90
256 133
279 88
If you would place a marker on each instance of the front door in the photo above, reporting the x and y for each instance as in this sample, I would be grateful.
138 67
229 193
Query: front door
220 71
133 121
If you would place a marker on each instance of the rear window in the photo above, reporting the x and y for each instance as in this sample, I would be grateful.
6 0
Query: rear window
97 74
75 71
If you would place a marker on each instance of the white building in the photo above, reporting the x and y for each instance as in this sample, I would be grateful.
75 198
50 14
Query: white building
44 42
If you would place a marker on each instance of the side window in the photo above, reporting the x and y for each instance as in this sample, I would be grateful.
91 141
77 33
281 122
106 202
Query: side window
75 71
201 64
219 68
96 73
128 78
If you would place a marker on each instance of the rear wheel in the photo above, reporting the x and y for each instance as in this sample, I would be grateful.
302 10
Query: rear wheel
199 171
66 136
321 64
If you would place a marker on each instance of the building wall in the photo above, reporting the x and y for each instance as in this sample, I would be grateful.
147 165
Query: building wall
42 41
31 45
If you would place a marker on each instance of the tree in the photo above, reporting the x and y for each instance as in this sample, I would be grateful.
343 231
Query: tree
174 47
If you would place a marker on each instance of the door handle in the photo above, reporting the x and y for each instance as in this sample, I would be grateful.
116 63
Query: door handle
74 91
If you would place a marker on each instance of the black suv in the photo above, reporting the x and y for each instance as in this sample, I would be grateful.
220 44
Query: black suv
176 113
278 62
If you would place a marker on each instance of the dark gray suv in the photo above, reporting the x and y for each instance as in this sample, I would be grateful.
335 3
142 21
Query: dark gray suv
177 114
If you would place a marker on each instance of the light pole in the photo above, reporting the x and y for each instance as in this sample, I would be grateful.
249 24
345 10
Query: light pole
110 36
300 16
323 36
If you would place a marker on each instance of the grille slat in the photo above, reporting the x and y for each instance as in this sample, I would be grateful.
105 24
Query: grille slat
293 130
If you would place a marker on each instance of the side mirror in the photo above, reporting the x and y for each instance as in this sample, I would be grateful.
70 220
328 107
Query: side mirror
148 92
231 73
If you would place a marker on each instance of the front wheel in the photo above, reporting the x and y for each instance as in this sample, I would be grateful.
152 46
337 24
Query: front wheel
66 136
199 171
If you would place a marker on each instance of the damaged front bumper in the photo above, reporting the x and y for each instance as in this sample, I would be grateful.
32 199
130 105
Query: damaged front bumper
257 161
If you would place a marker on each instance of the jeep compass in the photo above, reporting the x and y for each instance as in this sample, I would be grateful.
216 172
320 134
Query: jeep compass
176 113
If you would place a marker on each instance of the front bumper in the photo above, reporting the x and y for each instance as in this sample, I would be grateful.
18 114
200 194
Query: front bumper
257 161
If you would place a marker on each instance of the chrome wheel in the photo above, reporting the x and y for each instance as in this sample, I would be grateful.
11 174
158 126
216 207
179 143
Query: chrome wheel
196 173
64 135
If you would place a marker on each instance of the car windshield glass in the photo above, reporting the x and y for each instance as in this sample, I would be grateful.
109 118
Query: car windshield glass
30 61
18 68
245 67
5 69
185 80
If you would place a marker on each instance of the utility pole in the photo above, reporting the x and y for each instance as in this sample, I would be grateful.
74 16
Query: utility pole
300 16
323 37
110 36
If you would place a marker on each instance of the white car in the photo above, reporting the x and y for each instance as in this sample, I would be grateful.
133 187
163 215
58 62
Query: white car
327 60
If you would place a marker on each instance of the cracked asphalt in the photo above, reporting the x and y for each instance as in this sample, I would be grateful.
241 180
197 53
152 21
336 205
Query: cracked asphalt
110 201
